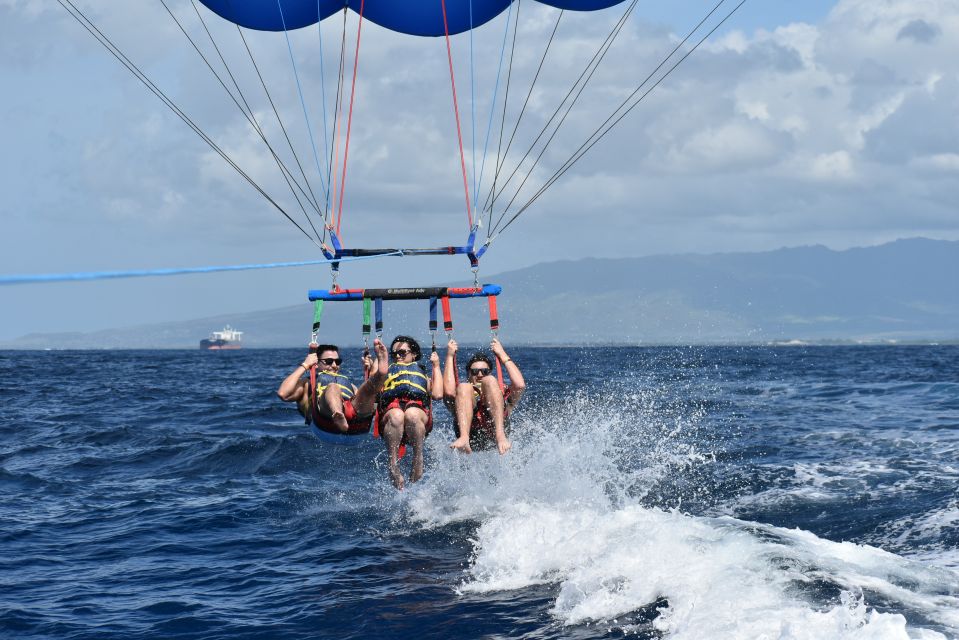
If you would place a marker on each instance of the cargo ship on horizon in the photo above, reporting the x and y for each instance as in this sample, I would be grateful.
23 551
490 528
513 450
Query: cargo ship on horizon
228 338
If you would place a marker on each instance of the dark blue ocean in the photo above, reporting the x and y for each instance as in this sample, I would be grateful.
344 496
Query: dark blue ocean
790 492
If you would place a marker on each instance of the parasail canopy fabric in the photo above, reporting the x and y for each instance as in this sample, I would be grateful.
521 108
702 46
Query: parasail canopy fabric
414 17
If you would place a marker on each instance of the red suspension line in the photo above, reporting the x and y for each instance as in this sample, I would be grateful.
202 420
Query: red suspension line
456 113
349 118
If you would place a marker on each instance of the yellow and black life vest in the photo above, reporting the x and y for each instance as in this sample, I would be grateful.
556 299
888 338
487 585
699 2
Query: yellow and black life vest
407 381
326 378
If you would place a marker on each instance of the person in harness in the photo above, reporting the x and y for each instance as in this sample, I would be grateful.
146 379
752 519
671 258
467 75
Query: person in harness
339 407
481 405
404 405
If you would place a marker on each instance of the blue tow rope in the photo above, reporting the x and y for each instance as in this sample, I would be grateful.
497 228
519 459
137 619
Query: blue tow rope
143 273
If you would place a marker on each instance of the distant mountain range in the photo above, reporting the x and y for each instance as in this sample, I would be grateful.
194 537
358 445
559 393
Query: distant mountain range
901 291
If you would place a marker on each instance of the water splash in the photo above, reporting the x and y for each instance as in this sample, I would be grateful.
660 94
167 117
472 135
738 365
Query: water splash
591 501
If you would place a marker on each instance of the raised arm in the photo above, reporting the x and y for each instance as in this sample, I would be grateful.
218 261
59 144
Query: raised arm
292 388
449 371
436 384
517 383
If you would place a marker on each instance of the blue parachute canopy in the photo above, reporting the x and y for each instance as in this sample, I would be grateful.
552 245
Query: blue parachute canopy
415 17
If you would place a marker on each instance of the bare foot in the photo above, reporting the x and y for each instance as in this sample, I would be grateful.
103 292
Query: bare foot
462 444
417 471
340 421
503 445
397 477
382 357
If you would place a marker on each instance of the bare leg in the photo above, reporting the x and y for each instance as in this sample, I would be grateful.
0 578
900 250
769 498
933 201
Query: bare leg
333 402
465 406
415 419
492 395
391 425
365 398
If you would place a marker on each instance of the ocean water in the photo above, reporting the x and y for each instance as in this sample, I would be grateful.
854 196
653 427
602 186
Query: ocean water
792 492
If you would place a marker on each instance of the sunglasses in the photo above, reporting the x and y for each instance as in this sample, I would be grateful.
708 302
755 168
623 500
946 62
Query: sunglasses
479 371
331 361
401 353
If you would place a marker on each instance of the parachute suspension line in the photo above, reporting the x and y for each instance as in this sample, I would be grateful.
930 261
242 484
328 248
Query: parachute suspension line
338 124
276 113
349 119
492 111
502 124
456 114
104 41
501 161
326 139
299 90
472 105
247 112
587 73
610 122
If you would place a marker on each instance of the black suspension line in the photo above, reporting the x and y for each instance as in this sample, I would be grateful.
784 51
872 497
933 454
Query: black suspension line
286 171
500 162
502 125
588 73
603 129
341 77
276 113
247 112
115 51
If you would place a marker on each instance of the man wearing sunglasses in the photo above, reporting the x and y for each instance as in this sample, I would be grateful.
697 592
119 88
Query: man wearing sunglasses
404 405
339 407
481 406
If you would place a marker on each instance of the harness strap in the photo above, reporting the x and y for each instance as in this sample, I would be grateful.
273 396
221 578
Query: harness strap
366 334
447 316
317 319
312 398
433 322
448 326
494 328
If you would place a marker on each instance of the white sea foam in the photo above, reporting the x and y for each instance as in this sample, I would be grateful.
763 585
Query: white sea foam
565 508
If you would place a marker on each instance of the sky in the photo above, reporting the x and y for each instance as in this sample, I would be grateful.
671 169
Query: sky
798 122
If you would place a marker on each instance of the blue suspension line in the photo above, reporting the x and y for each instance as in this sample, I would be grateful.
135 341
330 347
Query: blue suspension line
489 126
306 115
142 273
326 140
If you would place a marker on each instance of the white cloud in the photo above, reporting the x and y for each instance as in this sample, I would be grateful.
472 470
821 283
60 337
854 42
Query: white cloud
941 162
836 166
839 133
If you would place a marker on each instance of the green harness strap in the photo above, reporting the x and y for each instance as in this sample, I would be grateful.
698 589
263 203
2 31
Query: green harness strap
317 317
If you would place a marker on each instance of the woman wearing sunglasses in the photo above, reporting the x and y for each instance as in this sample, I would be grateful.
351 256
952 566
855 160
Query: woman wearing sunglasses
404 405
339 407
481 405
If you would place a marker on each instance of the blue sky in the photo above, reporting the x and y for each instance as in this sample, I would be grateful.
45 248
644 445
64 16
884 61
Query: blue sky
798 123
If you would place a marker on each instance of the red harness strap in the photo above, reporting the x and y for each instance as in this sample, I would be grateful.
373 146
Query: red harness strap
494 327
